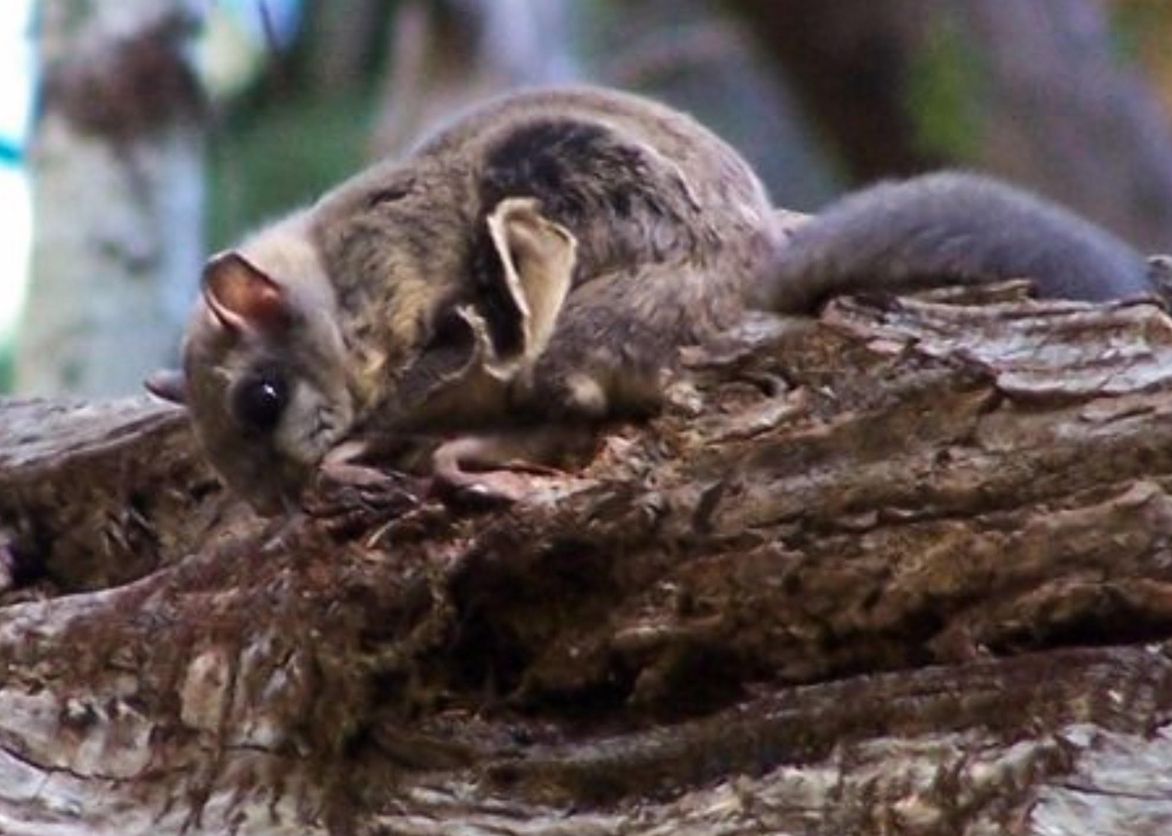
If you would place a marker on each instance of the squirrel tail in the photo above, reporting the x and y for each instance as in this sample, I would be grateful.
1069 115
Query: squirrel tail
946 228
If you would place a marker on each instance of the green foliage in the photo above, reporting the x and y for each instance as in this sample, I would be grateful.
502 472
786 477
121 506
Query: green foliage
944 94
1135 24
6 370
280 156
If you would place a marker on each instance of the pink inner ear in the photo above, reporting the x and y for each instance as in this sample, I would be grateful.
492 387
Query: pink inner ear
241 296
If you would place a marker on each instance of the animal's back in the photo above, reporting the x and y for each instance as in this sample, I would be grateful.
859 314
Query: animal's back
633 180
669 220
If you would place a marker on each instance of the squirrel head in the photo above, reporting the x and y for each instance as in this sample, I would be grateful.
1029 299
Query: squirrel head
272 383
264 367
266 381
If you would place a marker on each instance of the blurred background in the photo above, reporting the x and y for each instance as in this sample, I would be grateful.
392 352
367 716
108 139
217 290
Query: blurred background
137 136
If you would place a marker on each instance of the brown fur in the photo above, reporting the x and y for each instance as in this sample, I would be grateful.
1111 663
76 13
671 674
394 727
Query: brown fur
536 266
394 280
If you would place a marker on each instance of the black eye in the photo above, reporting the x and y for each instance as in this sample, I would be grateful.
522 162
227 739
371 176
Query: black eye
259 401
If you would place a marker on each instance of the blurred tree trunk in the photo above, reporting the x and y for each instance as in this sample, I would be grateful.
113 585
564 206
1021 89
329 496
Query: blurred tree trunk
1145 26
346 42
1037 92
701 58
118 194
447 54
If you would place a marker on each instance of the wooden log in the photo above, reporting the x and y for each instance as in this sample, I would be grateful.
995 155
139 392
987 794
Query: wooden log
903 569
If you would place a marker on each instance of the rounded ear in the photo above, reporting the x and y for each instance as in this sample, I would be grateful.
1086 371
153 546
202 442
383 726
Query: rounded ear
168 384
242 297
479 346
538 258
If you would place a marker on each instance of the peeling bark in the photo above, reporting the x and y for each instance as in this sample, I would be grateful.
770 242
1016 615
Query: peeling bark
904 569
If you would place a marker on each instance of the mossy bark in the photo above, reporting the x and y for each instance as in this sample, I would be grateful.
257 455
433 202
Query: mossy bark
903 569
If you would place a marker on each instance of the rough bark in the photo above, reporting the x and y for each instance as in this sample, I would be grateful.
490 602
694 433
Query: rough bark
117 194
903 570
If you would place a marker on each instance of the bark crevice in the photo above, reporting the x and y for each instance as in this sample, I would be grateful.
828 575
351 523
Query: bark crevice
907 566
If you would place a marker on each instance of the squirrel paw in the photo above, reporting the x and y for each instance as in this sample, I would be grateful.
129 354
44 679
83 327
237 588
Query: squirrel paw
485 490
352 496
504 479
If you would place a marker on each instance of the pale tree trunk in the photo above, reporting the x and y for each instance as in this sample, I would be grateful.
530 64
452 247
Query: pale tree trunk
904 570
118 183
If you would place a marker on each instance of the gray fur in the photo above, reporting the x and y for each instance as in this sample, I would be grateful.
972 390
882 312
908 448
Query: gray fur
666 222
949 227
667 218
623 230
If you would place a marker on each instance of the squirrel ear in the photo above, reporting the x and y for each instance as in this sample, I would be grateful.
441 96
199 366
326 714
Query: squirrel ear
538 258
241 297
168 384
491 340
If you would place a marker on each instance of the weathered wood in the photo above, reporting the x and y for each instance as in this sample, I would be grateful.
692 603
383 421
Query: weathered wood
902 570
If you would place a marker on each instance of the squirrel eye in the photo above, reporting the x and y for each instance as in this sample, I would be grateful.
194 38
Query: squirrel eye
259 401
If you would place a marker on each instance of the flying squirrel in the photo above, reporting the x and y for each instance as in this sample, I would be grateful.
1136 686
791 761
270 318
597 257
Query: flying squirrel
534 268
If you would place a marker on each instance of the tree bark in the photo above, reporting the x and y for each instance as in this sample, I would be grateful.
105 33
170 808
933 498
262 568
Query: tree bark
902 569
117 193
